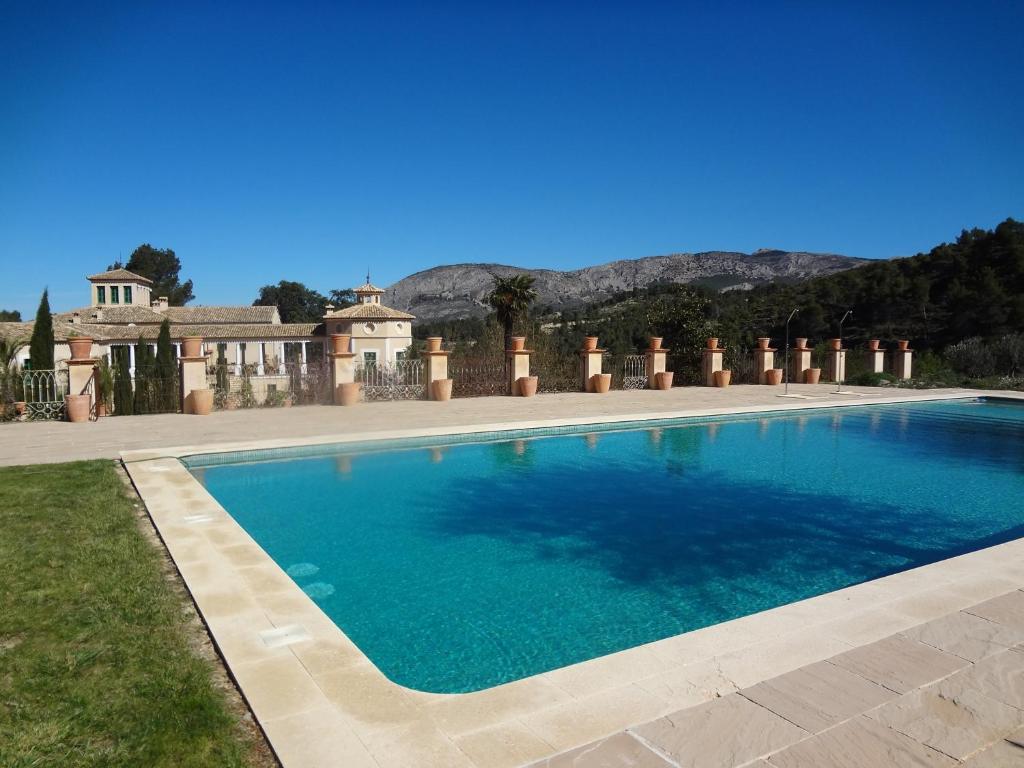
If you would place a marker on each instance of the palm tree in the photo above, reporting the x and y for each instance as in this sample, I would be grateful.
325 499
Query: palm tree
10 384
510 297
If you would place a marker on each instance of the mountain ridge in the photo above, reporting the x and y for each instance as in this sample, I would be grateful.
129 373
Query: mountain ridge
455 291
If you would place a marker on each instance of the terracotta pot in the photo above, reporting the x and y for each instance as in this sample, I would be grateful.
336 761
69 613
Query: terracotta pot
192 346
434 343
712 343
812 375
723 378
101 410
763 342
348 394
527 386
340 343
773 376
873 345
836 343
441 390
903 345
202 402
77 407
589 343
663 380
81 347
656 342
20 407
601 382
518 343
801 342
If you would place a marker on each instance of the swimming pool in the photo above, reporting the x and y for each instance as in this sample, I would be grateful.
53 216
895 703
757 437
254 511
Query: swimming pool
460 564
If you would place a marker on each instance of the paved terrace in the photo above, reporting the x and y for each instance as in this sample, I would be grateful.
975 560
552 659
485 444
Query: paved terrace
47 442
946 693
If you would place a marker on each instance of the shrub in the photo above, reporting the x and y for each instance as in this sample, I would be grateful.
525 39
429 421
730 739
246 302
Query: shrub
872 379
972 357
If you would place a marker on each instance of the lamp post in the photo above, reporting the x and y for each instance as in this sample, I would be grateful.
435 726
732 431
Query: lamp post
786 357
839 358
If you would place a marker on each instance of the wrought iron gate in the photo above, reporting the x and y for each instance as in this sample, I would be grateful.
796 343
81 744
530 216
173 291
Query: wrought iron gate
634 372
44 393
401 380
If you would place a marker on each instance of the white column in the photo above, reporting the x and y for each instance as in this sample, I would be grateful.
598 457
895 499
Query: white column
177 350
280 357
304 357
238 358
259 365
131 360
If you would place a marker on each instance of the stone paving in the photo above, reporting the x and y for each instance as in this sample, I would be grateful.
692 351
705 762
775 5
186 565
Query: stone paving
46 442
945 693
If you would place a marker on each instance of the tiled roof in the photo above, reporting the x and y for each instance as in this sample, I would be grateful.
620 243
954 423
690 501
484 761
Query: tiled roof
128 333
369 312
119 275
368 288
210 315
114 315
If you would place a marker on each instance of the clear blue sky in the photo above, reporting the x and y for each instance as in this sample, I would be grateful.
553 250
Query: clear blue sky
309 141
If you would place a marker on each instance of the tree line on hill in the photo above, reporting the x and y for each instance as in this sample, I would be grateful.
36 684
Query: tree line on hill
964 299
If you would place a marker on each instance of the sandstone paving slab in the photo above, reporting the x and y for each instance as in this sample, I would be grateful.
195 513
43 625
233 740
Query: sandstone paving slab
619 751
899 663
860 743
507 745
1000 677
1006 609
967 635
818 696
952 718
1002 754
723 733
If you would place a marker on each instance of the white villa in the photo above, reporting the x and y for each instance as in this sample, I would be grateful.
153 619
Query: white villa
122 310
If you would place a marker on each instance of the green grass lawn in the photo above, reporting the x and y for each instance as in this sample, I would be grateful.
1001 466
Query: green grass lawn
100 661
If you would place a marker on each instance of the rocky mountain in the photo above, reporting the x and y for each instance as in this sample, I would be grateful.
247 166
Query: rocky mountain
459 290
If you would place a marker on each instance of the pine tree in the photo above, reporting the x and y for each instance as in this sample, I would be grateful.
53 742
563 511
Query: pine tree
41 345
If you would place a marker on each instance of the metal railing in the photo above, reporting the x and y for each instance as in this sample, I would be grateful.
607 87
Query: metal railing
478 378
44 393
401 380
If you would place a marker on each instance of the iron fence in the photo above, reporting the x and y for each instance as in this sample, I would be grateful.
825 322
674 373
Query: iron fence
556 374
478 377
291 383
628 371
44 393
401 380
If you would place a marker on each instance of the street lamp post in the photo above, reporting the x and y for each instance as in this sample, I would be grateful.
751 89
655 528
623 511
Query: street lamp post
786 356
840 374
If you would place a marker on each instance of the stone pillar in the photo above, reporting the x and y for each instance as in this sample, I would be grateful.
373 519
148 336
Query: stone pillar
193 377
902 361
836 362
711 361
80 377
590 366
799 363
518 366
876 357
654 363
764 360
435 368
343 371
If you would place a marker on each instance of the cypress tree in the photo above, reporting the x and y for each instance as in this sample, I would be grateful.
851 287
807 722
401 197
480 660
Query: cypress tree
124 398
41 345
164 378
143 377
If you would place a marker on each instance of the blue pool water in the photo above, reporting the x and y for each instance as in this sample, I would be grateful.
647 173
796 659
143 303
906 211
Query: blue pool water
462 566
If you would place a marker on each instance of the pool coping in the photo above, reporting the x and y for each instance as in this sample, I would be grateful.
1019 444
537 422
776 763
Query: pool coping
317 696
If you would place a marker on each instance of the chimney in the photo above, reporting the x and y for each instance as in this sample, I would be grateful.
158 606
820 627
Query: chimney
98 314
76 318
160 303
